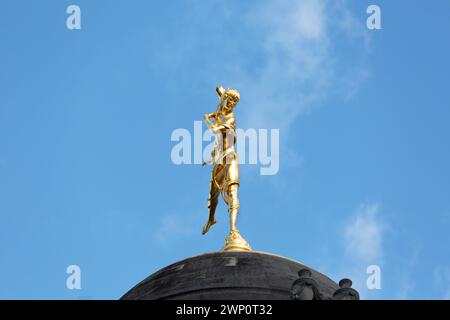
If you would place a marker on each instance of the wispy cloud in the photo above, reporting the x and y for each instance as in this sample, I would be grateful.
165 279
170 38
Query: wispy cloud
295 62
364 235
300 66
362 239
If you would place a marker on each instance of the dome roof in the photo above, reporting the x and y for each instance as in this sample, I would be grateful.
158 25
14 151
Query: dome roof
229 275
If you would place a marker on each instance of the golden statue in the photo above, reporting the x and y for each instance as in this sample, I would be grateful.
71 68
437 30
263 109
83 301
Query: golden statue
225 171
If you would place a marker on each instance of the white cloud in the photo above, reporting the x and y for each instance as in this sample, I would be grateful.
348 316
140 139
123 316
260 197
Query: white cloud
294 62
362 238
364 235
299 67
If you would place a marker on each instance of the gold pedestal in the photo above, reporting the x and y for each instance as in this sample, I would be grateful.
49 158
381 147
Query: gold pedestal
235 242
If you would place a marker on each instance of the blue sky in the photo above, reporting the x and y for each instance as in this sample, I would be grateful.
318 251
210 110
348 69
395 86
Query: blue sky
86 117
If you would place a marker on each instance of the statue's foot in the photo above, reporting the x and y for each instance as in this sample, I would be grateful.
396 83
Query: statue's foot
235 242
208 225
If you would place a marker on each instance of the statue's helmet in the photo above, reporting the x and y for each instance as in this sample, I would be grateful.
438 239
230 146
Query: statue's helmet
228 93
233 94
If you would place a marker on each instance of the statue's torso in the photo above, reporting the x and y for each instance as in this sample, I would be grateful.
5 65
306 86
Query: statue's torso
228 133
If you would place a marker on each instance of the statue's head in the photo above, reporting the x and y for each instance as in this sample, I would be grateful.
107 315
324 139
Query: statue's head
231 96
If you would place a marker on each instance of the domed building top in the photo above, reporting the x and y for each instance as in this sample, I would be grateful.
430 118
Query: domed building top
229 275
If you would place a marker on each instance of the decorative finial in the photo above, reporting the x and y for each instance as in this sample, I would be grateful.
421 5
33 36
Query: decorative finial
345 291
305 287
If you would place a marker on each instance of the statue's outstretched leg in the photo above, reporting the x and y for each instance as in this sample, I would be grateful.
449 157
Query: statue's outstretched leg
213 199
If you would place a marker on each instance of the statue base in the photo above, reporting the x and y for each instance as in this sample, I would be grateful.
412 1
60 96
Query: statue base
235 242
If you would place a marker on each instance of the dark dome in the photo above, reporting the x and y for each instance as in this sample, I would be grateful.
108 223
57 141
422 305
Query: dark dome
228 275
